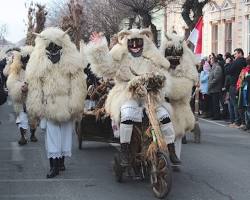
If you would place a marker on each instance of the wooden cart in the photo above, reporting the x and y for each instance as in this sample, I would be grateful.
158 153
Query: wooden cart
91 129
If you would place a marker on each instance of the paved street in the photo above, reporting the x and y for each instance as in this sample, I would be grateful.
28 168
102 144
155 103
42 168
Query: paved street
217 169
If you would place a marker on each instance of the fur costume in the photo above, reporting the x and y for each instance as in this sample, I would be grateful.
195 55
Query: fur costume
130 62
183 76
9 57
16 78
56 91
115 64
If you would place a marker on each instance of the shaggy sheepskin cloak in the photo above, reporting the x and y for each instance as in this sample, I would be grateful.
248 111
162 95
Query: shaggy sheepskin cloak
56 91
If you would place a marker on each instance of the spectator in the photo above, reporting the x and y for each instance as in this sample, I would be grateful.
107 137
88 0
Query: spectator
225 89
233 69
215 82
243 85
204 89
221 62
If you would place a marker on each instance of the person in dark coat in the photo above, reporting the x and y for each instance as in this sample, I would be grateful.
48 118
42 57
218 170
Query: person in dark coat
215 83
221 62
233 69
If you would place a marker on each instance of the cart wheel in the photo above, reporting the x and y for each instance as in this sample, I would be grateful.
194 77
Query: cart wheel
118 168
161 175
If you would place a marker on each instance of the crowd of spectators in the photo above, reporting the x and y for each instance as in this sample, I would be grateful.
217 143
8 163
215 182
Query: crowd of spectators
225 88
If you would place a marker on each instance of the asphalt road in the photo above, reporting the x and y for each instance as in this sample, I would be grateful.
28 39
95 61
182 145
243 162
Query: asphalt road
216 169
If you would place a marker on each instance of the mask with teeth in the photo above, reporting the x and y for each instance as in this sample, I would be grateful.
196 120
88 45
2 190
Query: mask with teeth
53 51
135 46
174 54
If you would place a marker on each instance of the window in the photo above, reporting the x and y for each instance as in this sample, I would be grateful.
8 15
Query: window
215 38
158 38
228 37
248 37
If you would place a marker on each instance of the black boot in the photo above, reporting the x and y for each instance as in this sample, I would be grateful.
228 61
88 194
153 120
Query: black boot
54 167
50 163
124 154
61 164
184 140
22 140
172 155
32 136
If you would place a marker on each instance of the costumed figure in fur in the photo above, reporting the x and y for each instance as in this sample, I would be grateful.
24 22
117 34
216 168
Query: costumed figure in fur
183 76
17 89
135 52
5 63
9 59
57 90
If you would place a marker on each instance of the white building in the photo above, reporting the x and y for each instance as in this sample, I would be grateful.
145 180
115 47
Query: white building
226 25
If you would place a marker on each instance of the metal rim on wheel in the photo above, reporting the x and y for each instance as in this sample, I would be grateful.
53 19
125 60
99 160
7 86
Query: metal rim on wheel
163 174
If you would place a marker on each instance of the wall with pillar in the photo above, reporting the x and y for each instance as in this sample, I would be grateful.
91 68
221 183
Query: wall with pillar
219 12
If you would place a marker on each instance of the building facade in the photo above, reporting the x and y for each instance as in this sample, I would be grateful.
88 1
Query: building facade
226 25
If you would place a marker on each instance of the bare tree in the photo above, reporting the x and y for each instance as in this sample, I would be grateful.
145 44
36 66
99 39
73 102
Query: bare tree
144 9
3 31
74 20
57 9
84 17
192 11
108 17
36 21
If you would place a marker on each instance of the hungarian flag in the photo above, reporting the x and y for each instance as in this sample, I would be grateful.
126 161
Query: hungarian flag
196 36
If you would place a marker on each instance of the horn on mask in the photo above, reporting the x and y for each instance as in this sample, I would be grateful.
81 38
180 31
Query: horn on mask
147 32
38 35
65 32
122 34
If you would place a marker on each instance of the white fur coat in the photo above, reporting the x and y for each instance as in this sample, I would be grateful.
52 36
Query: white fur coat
56 91
115 64
182 79
15 81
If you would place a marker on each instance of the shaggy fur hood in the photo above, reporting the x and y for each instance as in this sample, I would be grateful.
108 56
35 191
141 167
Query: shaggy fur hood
15 81
116 64
188 61
181 80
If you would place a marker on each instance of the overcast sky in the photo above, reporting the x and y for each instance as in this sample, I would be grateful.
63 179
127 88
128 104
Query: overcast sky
13 13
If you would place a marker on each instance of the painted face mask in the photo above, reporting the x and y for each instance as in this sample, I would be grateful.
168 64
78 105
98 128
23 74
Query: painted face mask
173 54
53 51
25 60
135 46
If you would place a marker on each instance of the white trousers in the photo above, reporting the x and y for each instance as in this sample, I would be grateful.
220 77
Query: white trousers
22 120
133 112
58 139
178 144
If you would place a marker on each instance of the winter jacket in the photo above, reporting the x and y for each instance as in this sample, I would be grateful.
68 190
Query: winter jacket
215 79
243 85
204 82
234 69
